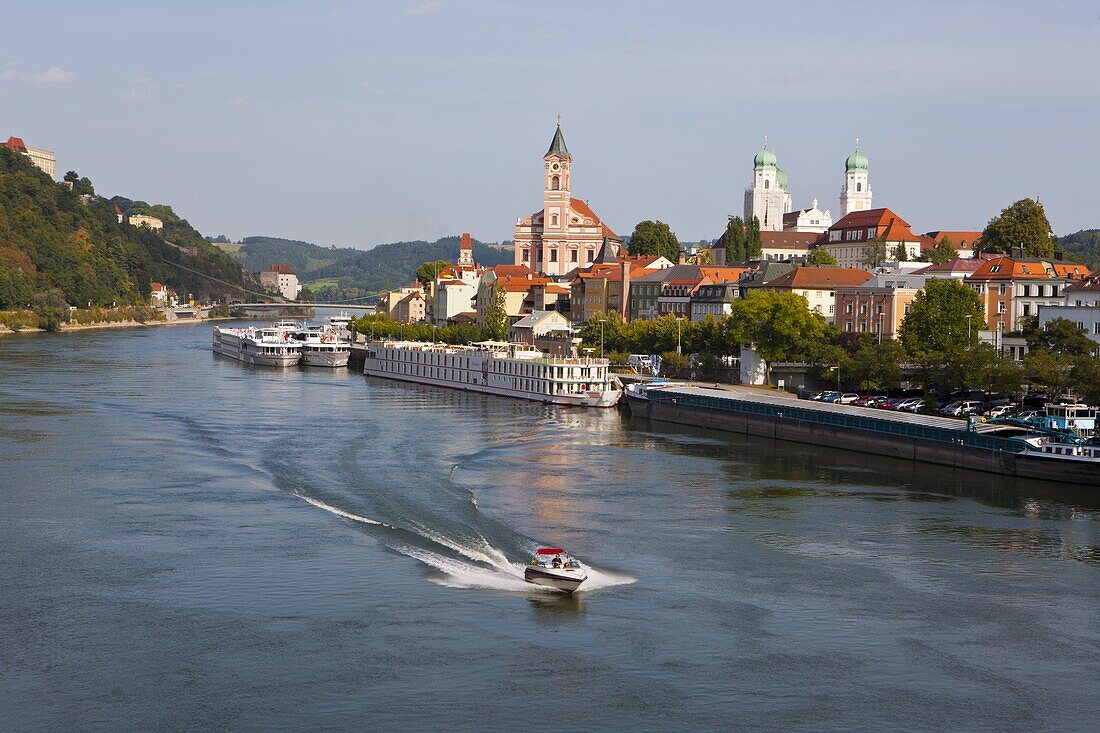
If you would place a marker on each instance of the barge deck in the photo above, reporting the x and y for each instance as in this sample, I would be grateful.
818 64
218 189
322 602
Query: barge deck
921 438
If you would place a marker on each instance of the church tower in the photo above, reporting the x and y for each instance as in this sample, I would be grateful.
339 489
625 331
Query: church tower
555 196
856 194
767 198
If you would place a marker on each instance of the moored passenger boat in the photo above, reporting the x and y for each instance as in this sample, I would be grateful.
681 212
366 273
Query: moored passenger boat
492 367
321 347
260 346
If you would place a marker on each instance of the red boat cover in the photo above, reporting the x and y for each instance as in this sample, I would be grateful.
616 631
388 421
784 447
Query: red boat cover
549 551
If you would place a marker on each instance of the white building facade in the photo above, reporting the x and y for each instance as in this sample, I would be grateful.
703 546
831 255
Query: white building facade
767 198
856 193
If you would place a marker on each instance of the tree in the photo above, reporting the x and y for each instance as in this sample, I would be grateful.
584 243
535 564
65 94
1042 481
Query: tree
777 325
734 240
1083 245
753 245
900 253
1085 376
430 270
941 252
874 254
654 238
50 309
820 257
1060 337
937 321
496 315
877 365
1049 372
1023 224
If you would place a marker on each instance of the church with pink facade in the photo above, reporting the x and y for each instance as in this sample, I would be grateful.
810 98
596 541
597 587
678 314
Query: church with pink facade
565 234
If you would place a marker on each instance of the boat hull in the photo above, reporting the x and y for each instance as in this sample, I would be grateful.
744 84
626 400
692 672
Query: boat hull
333 360
246 357
550 579
607 399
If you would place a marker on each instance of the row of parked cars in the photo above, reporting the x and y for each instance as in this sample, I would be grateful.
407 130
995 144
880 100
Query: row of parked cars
949 407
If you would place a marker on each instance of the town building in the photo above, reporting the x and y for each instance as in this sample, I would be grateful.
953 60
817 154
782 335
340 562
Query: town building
1014 288
1084 292
515 281
566 234
44 160
389 303
855 195
280 278
713 299
758 278
959 268
1086 317
964 242
538 325
786 245
670 291
818 285
454 288
144 220
158 295
812 219
767 197
879 305
854 239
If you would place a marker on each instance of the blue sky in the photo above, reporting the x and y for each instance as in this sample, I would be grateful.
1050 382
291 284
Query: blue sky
363 123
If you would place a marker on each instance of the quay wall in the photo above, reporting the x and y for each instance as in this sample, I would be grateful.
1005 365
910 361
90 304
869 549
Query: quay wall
778 427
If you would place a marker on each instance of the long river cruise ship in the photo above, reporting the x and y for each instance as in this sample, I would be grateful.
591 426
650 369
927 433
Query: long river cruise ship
493 367
261 346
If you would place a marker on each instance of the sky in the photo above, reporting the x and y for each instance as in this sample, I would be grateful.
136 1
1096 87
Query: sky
356 124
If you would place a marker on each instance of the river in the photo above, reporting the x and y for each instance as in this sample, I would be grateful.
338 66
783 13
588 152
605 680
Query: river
190 544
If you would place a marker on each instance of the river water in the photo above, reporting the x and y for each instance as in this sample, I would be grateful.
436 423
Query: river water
190 544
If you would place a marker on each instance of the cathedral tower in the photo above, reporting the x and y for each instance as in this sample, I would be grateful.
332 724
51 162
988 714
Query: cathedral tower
856 194
555 196
767 198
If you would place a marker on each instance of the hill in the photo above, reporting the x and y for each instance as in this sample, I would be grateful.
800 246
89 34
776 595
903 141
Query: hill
1083 245
52 239
338 273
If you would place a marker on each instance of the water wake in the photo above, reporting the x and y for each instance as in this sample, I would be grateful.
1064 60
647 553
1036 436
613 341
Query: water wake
477 564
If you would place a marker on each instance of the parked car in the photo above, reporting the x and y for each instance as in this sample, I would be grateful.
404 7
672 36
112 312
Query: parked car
1000 411
846 399
1027 415
907 403
830 396
868 400
963 408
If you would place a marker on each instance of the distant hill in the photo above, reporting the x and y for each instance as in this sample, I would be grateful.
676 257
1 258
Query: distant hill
51 238
1083 245
350 273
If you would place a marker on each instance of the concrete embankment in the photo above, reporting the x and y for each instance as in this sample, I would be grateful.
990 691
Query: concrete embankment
72 327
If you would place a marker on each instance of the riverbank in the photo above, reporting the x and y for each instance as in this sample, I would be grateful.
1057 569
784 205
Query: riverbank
67 327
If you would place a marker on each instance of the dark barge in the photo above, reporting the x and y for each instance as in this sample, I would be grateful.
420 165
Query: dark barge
921 438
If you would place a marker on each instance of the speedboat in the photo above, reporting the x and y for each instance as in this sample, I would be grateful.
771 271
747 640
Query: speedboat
553 567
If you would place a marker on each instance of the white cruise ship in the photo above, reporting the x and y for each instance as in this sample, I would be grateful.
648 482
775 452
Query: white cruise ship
509 370
322 347
261 346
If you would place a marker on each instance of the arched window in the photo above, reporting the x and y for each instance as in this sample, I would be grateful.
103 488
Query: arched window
767 185
555 183
859 186
553 220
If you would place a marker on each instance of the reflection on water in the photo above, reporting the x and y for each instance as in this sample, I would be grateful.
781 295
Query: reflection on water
556 608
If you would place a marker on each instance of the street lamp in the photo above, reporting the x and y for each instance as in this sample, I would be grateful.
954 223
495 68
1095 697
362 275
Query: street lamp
678 351
968 319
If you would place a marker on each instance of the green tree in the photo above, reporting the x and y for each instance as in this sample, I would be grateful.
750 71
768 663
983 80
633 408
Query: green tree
1061 336
753 244
496 316
779 326
877 365
1085 378
430 270
654 238
937 321
50 309
874 254
900 253
1049 372
734 240
941 252
820 257
1023 224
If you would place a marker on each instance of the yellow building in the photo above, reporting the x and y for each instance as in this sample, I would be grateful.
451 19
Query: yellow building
150 222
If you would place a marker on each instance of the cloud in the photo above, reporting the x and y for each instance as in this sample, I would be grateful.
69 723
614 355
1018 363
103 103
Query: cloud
52 75
429 6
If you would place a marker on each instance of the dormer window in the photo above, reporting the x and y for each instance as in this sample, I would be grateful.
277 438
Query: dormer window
995 268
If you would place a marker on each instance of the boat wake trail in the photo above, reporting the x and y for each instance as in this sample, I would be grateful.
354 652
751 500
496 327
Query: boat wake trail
472 562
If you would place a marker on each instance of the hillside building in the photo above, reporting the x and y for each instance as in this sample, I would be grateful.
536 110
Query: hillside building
280 278
44 160
144 220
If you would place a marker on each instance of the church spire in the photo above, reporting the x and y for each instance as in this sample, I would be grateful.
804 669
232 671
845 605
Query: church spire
557 145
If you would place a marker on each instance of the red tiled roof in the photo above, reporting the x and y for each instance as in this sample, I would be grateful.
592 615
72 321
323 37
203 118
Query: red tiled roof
962 241
512 271
959 264
465 244
1006 268
898 231
282 269
820 278
16 144
788 240
867 218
